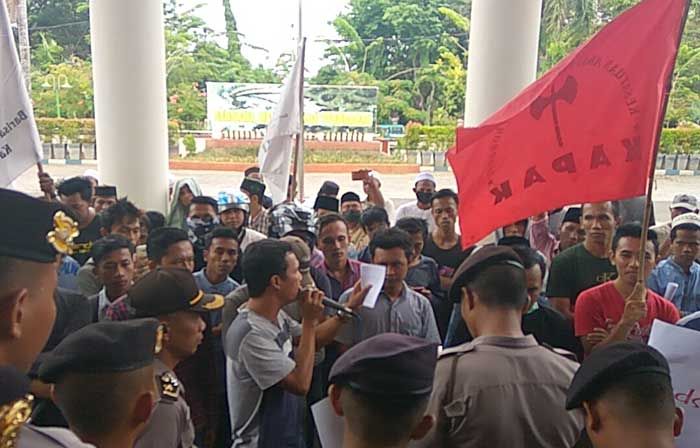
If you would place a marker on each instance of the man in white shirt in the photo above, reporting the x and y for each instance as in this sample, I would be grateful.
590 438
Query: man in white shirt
424 189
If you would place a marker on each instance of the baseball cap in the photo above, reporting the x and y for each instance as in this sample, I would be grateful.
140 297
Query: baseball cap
686 218
686 201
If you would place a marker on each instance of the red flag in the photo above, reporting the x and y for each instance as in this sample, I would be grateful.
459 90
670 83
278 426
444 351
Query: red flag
584 132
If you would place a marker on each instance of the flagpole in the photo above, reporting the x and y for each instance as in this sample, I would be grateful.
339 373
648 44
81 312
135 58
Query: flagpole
298 168
652 165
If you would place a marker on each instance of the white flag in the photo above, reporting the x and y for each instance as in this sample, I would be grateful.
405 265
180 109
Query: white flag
19 140
276 149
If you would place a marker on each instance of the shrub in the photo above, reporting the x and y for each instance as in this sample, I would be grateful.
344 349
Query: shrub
82 130
680 141
438 138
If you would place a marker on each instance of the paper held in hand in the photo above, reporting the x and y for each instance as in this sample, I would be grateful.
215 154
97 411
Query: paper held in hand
372 274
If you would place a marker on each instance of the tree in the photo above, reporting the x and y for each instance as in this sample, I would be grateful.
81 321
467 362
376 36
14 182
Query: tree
234 46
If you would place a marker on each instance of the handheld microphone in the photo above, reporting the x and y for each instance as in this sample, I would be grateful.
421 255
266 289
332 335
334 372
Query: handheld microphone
328 303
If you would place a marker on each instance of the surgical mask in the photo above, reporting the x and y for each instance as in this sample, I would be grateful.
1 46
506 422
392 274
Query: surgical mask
353 216
424 196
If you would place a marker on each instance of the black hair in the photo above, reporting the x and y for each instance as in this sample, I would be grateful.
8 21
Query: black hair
391 239
220 232
444 193
327 220
531 257
634 230
374 215
413 226
161 239
75 185
105 245
615 205
688 226
156 220
501 286
205 200
116 213
261 261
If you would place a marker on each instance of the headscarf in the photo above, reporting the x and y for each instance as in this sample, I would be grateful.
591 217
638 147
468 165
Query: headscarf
177 213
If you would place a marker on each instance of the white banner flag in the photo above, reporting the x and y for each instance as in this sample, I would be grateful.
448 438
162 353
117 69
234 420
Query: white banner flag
19 140
276 149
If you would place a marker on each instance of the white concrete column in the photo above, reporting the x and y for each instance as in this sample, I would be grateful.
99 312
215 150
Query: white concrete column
131 118
503 40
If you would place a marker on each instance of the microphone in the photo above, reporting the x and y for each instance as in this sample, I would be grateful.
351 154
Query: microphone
328 303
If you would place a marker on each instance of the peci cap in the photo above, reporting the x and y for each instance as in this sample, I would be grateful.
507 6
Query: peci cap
477 262
350 196
686 201
513 241
104 347
685 219
329 188
613 364
573 214
388 364
326 203
38 231
425 175
106 191
169 290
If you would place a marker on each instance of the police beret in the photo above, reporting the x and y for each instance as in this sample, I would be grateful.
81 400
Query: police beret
33 229
326 203
106 190
611 364
169 290
388 364
14 385
104 347
350 196
478 261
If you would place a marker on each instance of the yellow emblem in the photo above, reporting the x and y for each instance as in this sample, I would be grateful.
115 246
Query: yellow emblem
12 417
63 233
160 332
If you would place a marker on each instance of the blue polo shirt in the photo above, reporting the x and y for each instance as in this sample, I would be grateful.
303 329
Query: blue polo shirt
687 296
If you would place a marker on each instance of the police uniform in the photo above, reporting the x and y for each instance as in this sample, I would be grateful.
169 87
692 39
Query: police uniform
161 292
499 391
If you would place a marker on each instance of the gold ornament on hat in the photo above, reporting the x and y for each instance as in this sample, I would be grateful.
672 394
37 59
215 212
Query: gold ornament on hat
64 230
12 417
160 332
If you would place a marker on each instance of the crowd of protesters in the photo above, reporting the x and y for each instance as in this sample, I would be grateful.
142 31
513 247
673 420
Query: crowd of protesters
210 325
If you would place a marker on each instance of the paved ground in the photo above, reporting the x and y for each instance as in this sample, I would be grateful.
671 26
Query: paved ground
397 187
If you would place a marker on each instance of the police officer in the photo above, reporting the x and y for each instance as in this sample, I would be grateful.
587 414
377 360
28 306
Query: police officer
381 387
502 389
626 393
34 234
103 380
171 295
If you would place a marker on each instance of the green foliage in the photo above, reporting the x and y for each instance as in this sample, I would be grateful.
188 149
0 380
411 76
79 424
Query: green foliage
436 138
250 154
680 141
65 87
190 145
82 130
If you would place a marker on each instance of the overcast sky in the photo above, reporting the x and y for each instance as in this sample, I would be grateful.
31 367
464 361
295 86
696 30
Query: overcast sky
272 24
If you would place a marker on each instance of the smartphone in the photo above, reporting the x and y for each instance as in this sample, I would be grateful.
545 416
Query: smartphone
141 251
360 175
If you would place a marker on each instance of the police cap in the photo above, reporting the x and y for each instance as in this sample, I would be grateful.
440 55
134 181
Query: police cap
103 347
388 364
478 261
612 364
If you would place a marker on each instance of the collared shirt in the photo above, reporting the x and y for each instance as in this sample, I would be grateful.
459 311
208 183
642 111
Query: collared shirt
261 222
337 287
409 314
119 310
503 392
103 303
223 288
687 296
358 239
411 210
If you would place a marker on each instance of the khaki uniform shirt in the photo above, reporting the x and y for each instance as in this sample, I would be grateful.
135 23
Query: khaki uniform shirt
502 392
170 425
31 436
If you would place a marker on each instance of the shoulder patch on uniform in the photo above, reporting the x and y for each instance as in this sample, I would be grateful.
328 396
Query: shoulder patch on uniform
464 348
169 386
561 352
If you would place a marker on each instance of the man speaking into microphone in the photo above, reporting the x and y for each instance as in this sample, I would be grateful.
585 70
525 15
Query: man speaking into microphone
266 385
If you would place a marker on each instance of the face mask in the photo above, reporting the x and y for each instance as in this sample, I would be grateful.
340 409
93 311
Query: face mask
352 216
424 197
201 226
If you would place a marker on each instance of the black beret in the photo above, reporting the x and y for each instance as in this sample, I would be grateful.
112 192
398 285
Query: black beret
350 196
103 347
329 188
253 186
477 262
388 364
36 231
573 214
612 364
14 385
513 241
169 290
106 190
326 203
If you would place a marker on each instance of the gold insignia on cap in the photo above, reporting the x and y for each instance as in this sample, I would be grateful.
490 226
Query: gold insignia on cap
64 230
160 332
12 417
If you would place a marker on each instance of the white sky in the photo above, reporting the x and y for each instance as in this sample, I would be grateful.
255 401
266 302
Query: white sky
272 24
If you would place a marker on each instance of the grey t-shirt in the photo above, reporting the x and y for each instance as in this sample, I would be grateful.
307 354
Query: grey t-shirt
257 358
410 314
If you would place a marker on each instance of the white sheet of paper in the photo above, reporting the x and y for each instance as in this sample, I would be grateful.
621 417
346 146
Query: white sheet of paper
330 427
681 347
372 274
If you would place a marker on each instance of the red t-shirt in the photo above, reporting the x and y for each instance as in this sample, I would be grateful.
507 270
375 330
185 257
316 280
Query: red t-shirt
602 307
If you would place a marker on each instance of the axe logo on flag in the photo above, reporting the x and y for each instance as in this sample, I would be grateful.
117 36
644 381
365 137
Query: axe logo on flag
565 93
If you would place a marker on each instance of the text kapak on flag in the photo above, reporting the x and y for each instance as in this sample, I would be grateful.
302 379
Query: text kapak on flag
584 132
